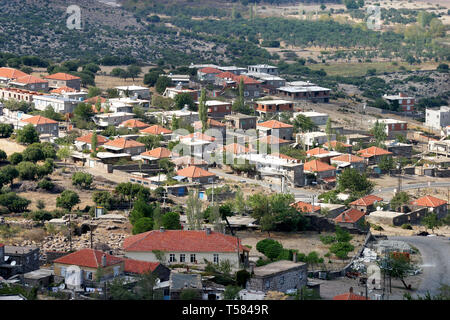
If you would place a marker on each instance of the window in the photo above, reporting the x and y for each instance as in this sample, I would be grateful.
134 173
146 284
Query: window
267 284
182 257
116 271
193 258
63 271
88 275
216 258
281 281
172 257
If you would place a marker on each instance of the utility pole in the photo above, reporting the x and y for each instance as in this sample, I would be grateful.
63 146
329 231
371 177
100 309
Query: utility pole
212 194
90 227
70 232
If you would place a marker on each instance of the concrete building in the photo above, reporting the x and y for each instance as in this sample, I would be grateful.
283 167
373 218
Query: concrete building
267 107
393 127
434 205
59 103
399 149
179 79
252 88
404 103
186 247
349 161
18 260
314 93
42 125
313 139
441 147
197 174
85 142
112 119
366 204
241 121
319 119
10 74
275 128
437 118
124 145
18 94
207 74
134 92
321 169
373 154
60 79
217 109
280 276
30 82
173 92
263 68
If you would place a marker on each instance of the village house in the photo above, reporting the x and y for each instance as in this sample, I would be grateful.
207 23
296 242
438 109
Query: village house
373 154
86 263
207 74
394 127
58 80
188 161
126 104
235 149
124 145
305 207
321 170
112 119
85 142
322 154
350 296
157 130
180 281
263 68
30 82
252 87
399 149
434 205
240 121
42 125
134 124
211 125
349 161
319 119
10 74
272 142
275 128
279 276
217 109
134 92
156 154
268 107
350 218
172 92
197 144
186 247
338 146
366 204
269 82
58 103
18 94
137 267
179 79
313 139
197 174
405 103
18 260
314 94
437 118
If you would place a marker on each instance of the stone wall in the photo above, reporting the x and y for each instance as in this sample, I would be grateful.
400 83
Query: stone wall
282 281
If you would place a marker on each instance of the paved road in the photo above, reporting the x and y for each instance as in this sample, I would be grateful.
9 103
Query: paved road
435 253
415 186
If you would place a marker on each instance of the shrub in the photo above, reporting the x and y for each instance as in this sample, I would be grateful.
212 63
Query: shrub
27 170
41 215
342 235
341 249
189 294
263 244
241 277
46 184
15 158
82 180
327 239
406 226
13 202
142 225
273 250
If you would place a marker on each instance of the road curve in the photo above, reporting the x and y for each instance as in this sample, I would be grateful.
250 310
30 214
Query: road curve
435 253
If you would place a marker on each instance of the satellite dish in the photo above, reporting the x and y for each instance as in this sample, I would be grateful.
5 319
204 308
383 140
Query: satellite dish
13 263
62 286
6 258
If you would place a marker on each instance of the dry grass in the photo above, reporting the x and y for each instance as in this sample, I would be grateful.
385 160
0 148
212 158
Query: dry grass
10 146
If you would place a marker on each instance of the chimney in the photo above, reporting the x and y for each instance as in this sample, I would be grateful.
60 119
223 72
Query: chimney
161 229
294 256
350 290
208 231
104 260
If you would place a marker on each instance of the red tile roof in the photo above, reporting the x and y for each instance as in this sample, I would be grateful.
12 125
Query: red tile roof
183 241
88 139
272 140
211 123
29 79
11 73
156 130
194 172
366 201
235 148
348 158
317 166
274 124
63 90
39 120
350 296
199 136
305 207
316 151
237 79
158 153
351 216
373 151
429 201
133 123
88 258
61 76
139 267
124 143
209 70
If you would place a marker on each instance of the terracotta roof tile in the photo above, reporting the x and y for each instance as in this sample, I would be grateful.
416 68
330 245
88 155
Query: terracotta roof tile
88 139
429 201
236 148
317 166
211 123
274 124
156 130
209 70
272 140
39 120
366 201
29 79
63 90
61 76
316 151
194 172
11 73
350 296
199 136
183 241
351 216
139 267
373 151
158 153
348 158
124 143
88 258
134 123
335 143
305 207
283 156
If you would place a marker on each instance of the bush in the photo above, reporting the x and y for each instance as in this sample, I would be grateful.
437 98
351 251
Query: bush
341 249
406 226
263 244
342 235
82 180
27 170
241 277
15 158
13 202
327 239
273 250
41 215
142 225
3 155
46 184
189 294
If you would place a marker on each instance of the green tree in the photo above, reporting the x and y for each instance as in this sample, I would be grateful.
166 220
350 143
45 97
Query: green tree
67 200
397 266
94 92
399 200
82 180
203 110
190 294
356 183
162 83
143 224
9 173
171 221
329 130
27 135
15 158
231 292
33 153
379 133
134 71
431 221
194 211
185 99
83 111
150 141
386 163
64 153
6 130
27 170
303 124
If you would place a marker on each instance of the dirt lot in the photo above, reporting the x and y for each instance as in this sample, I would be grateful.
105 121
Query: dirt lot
305 242
10 146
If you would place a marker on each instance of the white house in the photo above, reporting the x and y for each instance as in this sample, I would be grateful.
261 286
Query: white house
437 118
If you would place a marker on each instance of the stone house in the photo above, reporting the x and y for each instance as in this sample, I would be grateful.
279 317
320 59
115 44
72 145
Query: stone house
42 125
434 205
18 260
275 128
197 174
241 121
124 145
366 204
60 79
280 276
